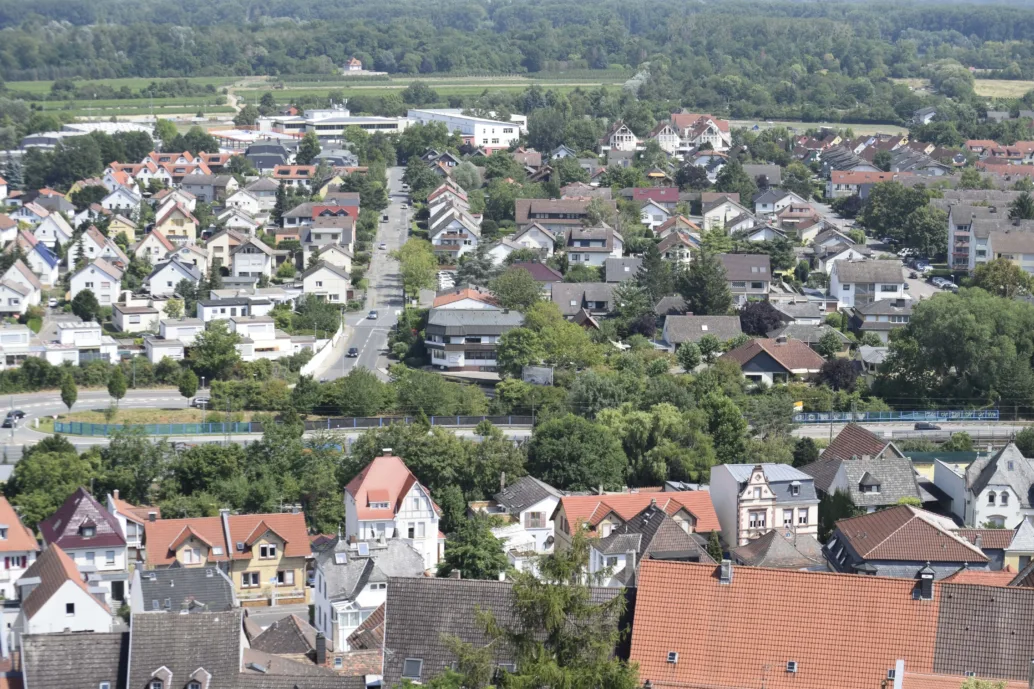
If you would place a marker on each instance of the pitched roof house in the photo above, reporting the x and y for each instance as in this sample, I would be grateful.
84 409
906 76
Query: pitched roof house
774 361
679 330
54 597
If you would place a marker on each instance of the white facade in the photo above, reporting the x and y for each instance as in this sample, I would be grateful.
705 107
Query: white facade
534 237
105 287
490 135
52 230
416 520
182 329
720 216
156 349
749 509
164 280
70 608
850 294
250 261
244 200
121 200
140 319
328 284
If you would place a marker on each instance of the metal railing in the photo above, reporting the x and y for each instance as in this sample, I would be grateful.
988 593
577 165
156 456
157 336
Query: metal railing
891 416
244 427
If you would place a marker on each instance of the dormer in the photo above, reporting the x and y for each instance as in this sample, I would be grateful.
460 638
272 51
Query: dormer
378 499
88 529
868 484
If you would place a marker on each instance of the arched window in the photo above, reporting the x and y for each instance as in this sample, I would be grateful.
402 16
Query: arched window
991 498
1004 498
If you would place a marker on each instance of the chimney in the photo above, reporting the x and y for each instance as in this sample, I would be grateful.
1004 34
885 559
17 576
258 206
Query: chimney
725 572
455 574
899 674
599 491
502 481
781 339
114 493
386 451
224 516
925 582
321 649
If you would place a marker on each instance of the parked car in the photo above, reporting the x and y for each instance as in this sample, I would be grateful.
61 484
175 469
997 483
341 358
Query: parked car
52 303
372 315
927 426
384 218
383 246
913 275
199 402
353 353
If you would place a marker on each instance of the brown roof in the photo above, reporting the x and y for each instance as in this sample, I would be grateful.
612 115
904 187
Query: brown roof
593 508
793 355
370 633
981 576
64 527
907 533
855 442
19 537
160 535
843 631
525 208
990 539
138 514
54 568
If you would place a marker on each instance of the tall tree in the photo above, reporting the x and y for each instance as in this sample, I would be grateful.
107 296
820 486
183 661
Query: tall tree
1003 278
474 551
516 289
308 149
1022 207
214 353
117 384
69 391
86 306
655 274
734 179
704 286
188 383
758 318
573 453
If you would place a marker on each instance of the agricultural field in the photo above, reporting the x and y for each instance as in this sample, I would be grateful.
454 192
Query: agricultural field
858 129
43 87
989 88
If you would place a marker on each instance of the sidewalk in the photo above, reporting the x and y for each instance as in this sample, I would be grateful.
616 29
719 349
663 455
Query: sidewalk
336 353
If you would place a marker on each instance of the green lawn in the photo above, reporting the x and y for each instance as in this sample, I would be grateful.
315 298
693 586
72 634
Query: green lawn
134 83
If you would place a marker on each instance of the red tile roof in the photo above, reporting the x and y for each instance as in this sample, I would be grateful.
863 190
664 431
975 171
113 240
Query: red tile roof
53 567
591 509
853 177
907 533
1006 169
656 194
461 294
855 442
294 171
163 535
385 479
793 355
19 537
843 631
983 577
677 221
173 207
685 120
990 539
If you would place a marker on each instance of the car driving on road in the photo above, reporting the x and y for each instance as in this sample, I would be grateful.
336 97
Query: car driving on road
353 353
927 426
372 315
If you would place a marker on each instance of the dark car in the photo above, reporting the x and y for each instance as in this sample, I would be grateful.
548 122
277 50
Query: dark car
353 352
927 426
16 414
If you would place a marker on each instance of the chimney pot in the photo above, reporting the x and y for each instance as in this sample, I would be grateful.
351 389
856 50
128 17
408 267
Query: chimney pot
114 493
321 649
386 451
455 574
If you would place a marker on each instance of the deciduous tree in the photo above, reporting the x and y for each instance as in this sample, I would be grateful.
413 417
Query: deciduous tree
474 551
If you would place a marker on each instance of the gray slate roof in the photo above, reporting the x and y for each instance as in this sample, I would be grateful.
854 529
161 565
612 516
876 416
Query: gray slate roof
895 475
393 558
743 267
197 588
621 269
801 309
473 321
289 635
995 469
868 271
780 477
525 492
183 644
774 549
810 334
189 269
682 329
563 293
420 611
75 660
673 305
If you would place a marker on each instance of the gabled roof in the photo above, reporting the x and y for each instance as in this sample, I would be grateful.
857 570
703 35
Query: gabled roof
109 269
370 632
677 221
70 660
175 207
19 272
19 537
347 573
161 238
681 329
776 550
907 533
621 269
1007 467
323 265
182 645
161 534
289 635
252 241
540 271
388 479
747 267
869 271
591 509
652 532
53 568
524 493
189 270
854 442
63 527
455 295
792 355
677 238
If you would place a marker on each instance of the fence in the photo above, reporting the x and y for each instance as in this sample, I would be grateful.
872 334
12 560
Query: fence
348 423
891 416
322 358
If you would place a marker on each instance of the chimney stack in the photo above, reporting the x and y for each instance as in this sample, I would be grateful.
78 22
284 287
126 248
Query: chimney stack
502 481
152 516
114 493
386 451
321 649
725 572
455 574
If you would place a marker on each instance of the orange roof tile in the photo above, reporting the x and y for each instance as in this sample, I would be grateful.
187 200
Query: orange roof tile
53 567
843 630
461 294
1000 577
990 539
19 537
591 509
163 535
385 479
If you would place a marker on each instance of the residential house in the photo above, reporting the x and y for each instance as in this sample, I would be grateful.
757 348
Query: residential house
220 309
336 255
775 361
100 277
752 500
18 547
601 515
93 244
466 298
54 230
41 260
854 183
154 247
858 283
679 330
31 213
328 282
881 317
210 188
93 539
447 193
236 219
386 501
122 200
135 319
749 276
297 176
131 520
177 223
678 247
537 238
899 542
71 659
870 469
175 195
810 335
771 201
620 138
527 502
166 277
915 632
351 583
251 258
778 550
192 255
8 229
454 231
724 212
621 269
653 215
263 554
461 339
543 274
326 232
800 312
156 349
79 343
21 275
994 489
594 298
650 534
120 224
666 136
562 151
246 201
764 175
555 214
677 223
592 246
220 245
182 329
55 598
695 130
181 590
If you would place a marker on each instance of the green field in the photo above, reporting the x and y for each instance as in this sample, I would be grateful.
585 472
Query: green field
134 83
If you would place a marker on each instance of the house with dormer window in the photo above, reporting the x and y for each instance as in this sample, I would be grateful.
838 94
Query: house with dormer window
386 501
752 500
619 138
994 490
263 554
92 538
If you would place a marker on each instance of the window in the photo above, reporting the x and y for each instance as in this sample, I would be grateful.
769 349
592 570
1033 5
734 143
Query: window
249 580
267 552
888 288
70 609
795 490
88 531
194 685
104 685
411 668
757 493
109 557
285 577
802 516
191 556
739 284
337 662
757 520
756 285
846 287
991 498
1010 465
380 586
421 529
787 517
535 520
319 283
610 562
1004 498
91 557
156 684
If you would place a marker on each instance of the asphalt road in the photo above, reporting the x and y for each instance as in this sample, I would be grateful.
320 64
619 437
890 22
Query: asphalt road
384 295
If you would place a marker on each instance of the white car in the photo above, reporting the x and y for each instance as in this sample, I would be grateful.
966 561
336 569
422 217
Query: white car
52 303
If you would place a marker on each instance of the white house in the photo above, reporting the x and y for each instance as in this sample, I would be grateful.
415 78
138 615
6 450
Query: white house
182 329
93 244
123 201
14 298
724 213
386 501
251 258
858 283
41 260
93 539
653 214
192 255
20 273
328 282
166 277
536 237
237 219
454 231
993 489
336 255
244 200
18 547
53 229
771 201
32 213
752 500
101 278
78 343
156 349
131 519
135 319
530 503
619 138
351 580
54 598
592 246
154 246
